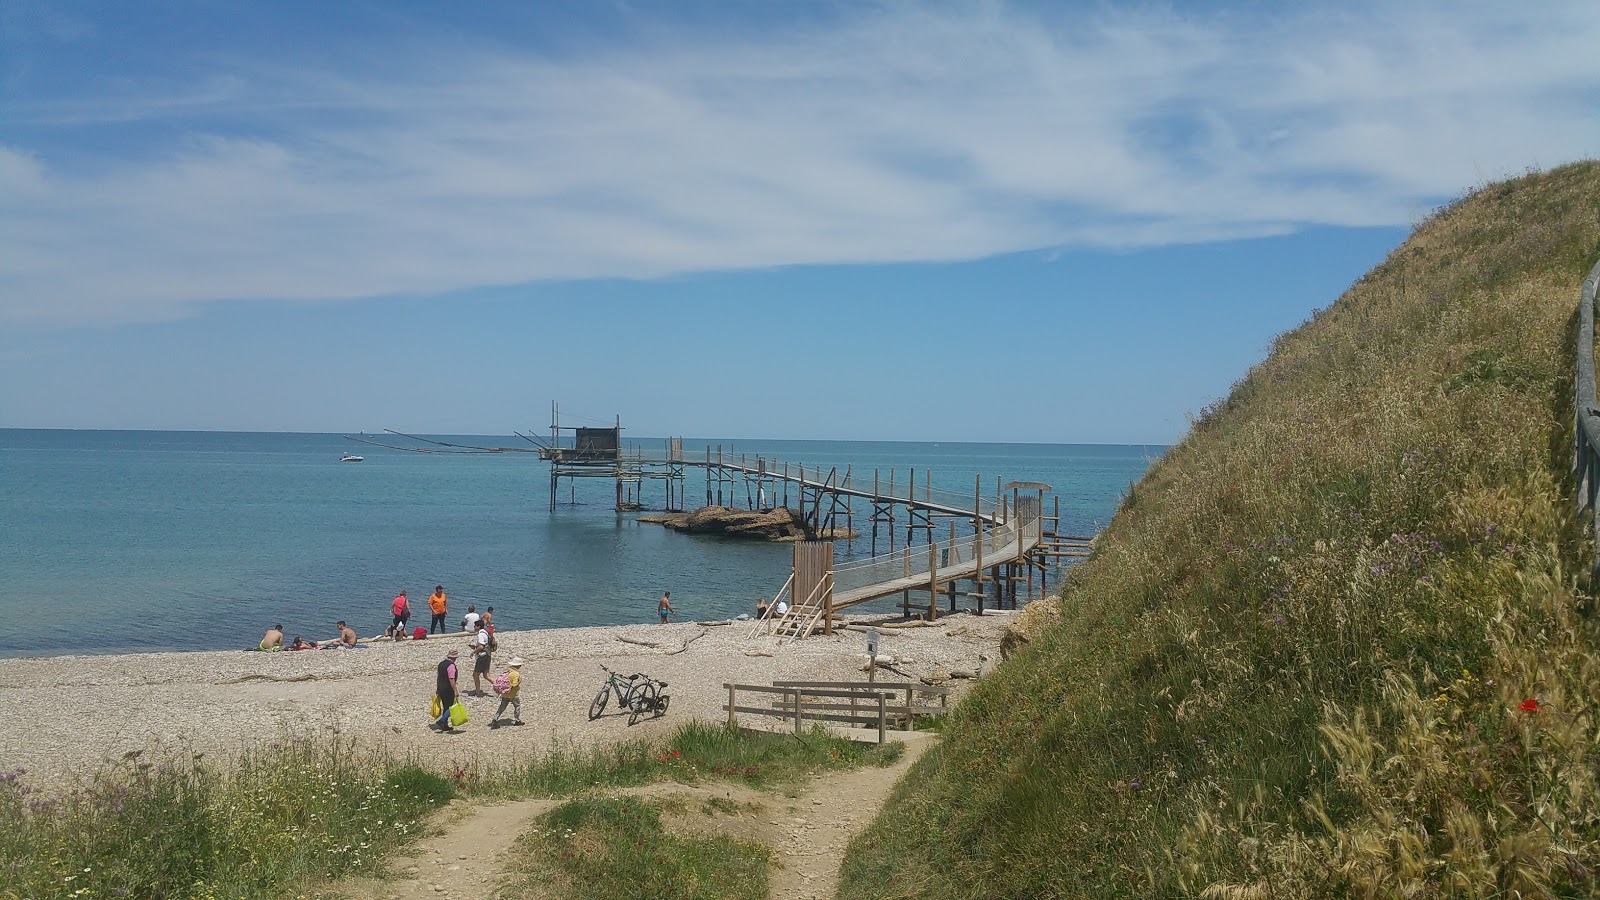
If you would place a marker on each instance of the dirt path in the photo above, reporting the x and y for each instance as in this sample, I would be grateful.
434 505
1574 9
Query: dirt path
823 820
462 863
807 833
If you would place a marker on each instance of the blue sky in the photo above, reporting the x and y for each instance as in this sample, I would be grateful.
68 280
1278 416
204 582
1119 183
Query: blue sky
967 221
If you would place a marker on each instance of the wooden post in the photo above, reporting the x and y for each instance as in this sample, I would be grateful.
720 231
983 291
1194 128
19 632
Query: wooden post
911 497
799 713
827 599
905 595
731 722
883 718
875 508
933 582
977 529
953 559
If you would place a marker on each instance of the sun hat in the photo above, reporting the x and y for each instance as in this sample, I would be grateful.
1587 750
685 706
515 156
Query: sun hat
453 654
515 661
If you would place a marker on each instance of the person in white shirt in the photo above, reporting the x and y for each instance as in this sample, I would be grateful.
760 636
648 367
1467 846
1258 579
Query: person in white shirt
469 622
480 657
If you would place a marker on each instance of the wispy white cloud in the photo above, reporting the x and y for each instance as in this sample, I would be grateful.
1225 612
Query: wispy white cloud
899 135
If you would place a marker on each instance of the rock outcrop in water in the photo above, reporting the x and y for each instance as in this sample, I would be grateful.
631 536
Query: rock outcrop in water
781 524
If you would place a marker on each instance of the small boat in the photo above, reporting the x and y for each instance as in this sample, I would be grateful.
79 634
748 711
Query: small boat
351 457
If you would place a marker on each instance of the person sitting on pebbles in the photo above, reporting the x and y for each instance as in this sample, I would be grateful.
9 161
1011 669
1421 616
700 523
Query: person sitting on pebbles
347 638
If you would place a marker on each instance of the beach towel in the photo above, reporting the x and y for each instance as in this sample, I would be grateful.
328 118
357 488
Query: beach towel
436 709
458 715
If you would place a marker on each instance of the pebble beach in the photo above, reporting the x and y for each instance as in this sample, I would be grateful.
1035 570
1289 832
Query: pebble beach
78 714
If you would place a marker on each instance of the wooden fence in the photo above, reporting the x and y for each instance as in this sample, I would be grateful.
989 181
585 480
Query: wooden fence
858 704
1586 449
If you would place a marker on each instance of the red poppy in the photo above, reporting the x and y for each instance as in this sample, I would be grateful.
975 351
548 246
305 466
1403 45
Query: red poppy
1529 705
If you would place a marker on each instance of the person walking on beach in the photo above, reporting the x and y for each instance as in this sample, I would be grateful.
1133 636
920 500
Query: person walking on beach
273 639
469 622
401 607
664 608
480 657
445 689
439 606
512 696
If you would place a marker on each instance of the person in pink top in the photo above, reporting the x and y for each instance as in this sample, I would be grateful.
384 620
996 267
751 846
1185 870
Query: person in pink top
401 607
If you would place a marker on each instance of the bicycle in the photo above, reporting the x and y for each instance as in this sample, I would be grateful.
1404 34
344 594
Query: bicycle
639 694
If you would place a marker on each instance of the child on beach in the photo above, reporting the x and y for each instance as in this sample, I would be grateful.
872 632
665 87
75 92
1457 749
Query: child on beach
511 696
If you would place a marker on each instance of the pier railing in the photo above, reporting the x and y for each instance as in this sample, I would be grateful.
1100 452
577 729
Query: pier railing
995 545
1586 438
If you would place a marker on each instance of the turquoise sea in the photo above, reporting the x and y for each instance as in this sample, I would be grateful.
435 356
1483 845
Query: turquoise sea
118 541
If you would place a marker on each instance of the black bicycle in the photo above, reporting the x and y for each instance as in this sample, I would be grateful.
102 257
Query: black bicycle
639 694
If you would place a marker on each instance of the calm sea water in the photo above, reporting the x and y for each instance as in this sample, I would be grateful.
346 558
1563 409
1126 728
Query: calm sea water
114 541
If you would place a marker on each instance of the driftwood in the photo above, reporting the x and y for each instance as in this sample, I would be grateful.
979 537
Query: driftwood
686 644
244 678
756 653
650 644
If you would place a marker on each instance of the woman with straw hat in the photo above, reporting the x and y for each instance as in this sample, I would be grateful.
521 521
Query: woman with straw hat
510 696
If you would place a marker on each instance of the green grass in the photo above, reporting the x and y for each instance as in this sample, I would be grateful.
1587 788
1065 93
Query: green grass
1295 664
696 751
617 849
285 813
299 811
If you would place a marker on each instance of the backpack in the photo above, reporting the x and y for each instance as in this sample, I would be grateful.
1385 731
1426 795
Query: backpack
493 644
501 683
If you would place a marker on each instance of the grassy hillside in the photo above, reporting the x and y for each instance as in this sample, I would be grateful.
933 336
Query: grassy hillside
1299 663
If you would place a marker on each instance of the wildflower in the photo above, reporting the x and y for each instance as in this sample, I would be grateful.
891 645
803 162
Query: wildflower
1529 705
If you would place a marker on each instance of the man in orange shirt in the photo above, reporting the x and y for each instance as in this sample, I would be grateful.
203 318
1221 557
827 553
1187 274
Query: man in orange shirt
440 607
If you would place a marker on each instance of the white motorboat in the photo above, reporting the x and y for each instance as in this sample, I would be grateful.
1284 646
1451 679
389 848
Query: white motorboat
351 457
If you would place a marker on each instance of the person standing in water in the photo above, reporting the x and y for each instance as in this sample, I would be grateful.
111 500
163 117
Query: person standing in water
664 608
439 606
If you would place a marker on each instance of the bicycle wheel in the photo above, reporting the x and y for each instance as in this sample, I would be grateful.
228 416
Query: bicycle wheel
661 706
642 702
599 704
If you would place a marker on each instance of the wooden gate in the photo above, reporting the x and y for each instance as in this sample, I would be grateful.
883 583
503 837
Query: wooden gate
813 582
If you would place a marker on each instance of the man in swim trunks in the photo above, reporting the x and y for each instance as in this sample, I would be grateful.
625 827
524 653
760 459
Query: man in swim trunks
347 637
439 606
664 608
480 657
273 639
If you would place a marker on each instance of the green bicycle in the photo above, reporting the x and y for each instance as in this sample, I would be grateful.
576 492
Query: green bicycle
639 694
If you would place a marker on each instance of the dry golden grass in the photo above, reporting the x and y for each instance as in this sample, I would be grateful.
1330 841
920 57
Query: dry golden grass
1298 662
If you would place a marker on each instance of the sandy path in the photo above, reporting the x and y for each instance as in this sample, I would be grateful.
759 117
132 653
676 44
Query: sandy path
807 834
825 819
462 863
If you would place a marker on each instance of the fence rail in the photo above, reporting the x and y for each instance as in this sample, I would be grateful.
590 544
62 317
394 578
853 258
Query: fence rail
869 704
1586 437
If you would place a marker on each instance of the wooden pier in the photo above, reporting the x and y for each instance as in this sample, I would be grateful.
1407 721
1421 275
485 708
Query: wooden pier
953 546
